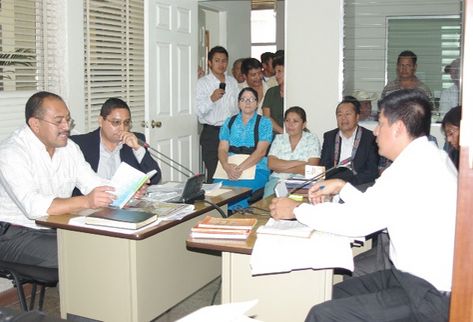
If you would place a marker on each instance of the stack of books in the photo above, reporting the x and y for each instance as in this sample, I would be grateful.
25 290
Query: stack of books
223 228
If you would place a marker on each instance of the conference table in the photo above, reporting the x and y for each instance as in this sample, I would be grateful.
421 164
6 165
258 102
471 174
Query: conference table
281 297
114 276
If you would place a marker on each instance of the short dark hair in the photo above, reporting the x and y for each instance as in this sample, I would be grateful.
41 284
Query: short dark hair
278 61
412 107
34 105
407 54
217 49
453 117
265 57
248 89
111 104
250 63
353 101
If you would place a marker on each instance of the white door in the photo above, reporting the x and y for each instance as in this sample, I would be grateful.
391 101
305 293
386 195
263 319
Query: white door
170 78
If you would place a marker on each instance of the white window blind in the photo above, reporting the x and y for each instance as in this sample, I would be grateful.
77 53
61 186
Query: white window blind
114 56
30 55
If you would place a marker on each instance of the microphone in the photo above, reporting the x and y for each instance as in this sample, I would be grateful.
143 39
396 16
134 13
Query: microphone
160 157
344 163
192 188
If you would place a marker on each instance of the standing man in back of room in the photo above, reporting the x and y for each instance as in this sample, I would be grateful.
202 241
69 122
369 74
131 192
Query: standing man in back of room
216 100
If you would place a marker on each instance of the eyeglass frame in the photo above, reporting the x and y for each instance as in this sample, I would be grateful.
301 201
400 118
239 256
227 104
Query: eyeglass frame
248 100
69 121
117 123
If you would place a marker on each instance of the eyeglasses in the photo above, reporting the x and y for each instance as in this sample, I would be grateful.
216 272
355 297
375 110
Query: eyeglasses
60 120
117 123
247 100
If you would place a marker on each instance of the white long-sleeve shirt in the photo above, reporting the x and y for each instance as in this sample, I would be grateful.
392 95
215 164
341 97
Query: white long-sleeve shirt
31 179
215 113
448 99
415 199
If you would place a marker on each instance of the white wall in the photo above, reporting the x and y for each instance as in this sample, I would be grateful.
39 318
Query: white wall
313 60
365 36
238 37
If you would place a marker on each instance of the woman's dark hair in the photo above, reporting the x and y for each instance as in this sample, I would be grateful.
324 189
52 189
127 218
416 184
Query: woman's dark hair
453 117
248 89
299 111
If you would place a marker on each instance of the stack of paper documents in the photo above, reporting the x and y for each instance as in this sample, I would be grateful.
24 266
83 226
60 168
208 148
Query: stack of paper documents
275 253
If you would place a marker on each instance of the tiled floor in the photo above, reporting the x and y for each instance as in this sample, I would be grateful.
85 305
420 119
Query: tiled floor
201 298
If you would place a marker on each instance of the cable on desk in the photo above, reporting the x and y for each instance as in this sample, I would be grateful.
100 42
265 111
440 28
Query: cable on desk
220 210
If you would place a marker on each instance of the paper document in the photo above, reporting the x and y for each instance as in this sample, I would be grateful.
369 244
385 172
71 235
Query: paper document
285 228
276 253
232 312
248 174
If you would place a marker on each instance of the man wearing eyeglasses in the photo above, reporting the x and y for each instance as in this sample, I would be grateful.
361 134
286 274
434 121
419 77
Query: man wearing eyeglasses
112 142
39 169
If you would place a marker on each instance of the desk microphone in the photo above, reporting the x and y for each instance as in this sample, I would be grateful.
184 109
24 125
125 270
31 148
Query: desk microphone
344 163
193 187
159 156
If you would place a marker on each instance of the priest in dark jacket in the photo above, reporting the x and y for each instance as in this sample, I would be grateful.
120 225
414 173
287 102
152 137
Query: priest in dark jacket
112 143
349 140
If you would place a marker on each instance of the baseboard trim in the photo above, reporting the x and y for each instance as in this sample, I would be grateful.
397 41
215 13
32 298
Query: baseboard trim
10 296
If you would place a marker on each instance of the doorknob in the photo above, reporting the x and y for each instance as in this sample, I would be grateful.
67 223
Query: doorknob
144 124
155 124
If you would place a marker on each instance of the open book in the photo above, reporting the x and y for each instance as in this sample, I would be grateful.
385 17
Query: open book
127 181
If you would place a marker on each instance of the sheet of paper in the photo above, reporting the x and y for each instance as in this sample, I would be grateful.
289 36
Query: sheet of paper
274 253
248 174
234 312
218 192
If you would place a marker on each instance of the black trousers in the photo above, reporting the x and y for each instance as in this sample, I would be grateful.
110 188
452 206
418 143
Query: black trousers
209 141
24 245
389 295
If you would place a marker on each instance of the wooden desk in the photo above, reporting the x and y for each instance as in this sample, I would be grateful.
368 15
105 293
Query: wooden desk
282 297
116 277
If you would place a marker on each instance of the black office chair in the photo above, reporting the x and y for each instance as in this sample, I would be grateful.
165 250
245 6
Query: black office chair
21 274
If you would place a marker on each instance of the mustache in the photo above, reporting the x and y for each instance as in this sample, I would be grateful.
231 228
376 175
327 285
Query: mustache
67 132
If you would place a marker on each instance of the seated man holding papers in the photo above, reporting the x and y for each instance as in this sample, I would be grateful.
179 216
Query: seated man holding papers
414 199
39 168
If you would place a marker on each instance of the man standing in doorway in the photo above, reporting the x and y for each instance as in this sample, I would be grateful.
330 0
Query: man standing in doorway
216 99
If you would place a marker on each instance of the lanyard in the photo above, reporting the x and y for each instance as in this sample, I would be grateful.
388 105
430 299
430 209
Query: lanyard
338 141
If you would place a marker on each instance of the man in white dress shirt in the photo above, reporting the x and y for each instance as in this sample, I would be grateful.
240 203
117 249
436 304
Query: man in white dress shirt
415 200
39 168
216 100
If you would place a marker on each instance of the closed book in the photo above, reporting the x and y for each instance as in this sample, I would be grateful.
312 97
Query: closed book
120 218
227 223
220 235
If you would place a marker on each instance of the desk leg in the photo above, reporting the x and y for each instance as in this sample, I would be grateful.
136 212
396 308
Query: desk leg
282 297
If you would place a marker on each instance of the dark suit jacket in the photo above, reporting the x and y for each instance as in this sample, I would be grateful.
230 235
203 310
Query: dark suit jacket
90 145
365 161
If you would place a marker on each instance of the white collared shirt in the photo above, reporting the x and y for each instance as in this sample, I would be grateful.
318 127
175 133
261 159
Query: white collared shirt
110 160
415 199
346 145
215 113
31 179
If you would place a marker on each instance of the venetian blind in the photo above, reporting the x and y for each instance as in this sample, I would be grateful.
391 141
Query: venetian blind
114 56
30 55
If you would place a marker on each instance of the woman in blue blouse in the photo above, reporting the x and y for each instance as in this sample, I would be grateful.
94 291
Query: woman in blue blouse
245 133
291 151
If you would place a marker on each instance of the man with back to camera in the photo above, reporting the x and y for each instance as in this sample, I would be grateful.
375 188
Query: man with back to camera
113 142
406 76
39 168
216 99
414 199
